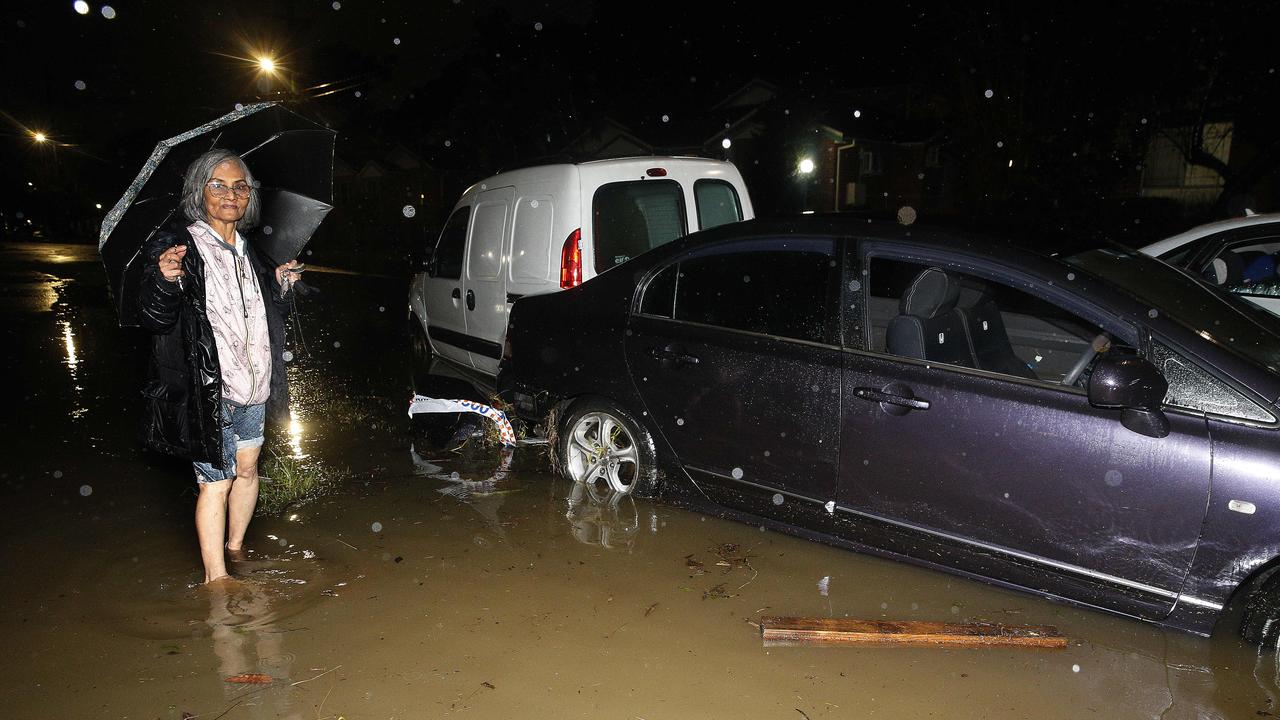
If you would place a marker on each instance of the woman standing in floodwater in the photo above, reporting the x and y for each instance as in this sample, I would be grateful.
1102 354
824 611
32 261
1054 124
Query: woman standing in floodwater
218 319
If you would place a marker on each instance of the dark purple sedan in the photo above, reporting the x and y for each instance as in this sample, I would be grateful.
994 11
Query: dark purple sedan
1094 426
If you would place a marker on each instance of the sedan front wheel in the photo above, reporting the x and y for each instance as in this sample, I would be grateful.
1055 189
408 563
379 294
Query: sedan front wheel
601 443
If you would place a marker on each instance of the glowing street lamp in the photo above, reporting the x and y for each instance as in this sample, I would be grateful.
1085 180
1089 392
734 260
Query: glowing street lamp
39 137
806 166
267 64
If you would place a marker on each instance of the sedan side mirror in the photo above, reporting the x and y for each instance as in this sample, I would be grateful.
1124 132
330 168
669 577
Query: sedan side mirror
1134 385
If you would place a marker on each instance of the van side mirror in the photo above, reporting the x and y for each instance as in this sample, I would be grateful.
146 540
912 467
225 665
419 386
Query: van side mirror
1134 385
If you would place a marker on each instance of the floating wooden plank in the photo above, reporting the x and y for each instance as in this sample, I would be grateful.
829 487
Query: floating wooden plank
917 633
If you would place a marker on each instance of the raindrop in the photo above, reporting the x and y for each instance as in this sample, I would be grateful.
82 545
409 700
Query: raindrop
955 609
857 113
906 215
395 41
1075 668
537 26
746 278
919 176
283 542
81 7
108 12
1144 121
308 252
287 356
86 490
376 527
1114 478
454 475
358 93
824 585
854 285
448 143
80 85
1153 313
336 5
409 211
866 462
766 453
1071 276
679 421
266 230
989 94
337 344
726 143
777 498
884 606
915 606
57 473
736 473
999 143
382 308
666 118
239 106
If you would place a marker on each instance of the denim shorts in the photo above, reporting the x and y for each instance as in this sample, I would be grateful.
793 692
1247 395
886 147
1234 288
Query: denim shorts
241 428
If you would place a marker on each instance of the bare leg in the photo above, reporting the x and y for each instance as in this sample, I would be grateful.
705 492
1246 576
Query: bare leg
211 526
243 497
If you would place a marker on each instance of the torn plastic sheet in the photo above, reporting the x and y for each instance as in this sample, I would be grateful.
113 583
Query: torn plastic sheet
424 404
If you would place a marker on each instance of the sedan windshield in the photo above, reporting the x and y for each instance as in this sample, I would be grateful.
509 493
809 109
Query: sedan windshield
1235 323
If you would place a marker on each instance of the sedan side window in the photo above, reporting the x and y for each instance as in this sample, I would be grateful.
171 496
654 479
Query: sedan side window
941 315
773 288
1191 387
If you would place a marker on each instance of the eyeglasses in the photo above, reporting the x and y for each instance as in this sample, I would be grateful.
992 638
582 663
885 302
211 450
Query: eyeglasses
220 190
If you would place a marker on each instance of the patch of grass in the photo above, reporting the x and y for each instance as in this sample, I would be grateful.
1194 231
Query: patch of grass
285 480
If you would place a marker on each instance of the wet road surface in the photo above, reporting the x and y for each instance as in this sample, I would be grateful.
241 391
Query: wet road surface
436 583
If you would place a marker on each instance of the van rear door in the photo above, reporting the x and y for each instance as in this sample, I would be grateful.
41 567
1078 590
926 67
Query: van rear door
485 291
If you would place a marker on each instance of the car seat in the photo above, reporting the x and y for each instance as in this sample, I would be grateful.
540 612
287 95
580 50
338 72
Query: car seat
987 336
928 326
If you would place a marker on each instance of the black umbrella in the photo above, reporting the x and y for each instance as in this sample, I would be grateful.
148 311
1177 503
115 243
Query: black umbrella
291 158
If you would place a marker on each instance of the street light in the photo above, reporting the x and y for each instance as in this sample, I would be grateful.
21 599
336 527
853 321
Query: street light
267 64
806 166
39 137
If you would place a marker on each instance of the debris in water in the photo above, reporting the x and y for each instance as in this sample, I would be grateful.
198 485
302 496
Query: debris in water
251 679
848 631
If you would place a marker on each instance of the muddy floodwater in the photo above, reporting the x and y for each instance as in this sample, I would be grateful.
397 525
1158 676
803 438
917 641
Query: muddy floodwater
435 583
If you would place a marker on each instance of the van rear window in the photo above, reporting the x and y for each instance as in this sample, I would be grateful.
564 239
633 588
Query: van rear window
717 202
630 218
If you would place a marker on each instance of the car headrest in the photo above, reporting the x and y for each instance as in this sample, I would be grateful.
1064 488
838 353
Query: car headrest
972 294
933 292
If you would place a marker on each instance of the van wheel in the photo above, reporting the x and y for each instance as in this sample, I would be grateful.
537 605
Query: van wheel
1260 624
600 442
420 349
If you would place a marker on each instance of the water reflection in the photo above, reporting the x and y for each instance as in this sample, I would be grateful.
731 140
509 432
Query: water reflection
485 496
245 639
295 435
599 515
69 339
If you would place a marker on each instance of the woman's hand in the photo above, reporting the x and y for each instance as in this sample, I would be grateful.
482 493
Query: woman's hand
289 272
170 262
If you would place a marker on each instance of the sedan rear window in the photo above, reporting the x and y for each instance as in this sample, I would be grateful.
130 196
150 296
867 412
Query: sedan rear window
781 288
630 218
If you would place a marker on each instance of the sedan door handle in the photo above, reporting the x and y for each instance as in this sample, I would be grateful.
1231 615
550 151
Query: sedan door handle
905 401
673 354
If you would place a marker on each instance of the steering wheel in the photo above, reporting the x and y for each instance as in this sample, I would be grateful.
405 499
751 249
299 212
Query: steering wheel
1100 344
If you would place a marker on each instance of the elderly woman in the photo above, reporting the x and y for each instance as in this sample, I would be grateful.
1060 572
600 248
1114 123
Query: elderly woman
216 308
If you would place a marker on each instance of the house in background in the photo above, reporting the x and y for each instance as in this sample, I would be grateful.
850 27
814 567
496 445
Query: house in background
1167 173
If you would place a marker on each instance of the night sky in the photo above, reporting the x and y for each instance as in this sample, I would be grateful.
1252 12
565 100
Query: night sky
1071 91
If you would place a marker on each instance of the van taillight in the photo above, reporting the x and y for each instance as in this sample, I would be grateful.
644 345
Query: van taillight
571 261
656 172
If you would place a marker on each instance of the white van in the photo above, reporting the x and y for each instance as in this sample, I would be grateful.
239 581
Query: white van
551 227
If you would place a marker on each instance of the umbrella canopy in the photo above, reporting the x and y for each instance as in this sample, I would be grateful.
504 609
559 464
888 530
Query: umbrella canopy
290 157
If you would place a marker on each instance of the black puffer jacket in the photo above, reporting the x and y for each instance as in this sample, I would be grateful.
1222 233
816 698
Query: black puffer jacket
184 379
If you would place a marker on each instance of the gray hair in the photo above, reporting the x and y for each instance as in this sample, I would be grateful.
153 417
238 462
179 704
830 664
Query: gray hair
201 172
